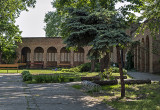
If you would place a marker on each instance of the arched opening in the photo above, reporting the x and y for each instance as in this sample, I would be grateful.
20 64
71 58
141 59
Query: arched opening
65 55
147 54
143 55
51 57
38 57
78 56
25 55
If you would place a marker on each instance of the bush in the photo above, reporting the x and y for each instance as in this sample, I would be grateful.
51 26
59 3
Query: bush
26 76
116 70
86 67
107 74
56 78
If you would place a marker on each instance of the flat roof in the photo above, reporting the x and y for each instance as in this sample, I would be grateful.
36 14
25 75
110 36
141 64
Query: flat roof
40 37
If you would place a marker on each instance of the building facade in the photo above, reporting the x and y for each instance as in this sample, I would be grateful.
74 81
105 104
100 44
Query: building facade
50 52
147 52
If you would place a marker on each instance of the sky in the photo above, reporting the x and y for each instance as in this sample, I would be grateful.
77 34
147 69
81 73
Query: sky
32 24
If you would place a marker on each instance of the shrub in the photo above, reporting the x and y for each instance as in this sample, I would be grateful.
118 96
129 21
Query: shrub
24 72
56 78
86 67
107 74
26 76
116 70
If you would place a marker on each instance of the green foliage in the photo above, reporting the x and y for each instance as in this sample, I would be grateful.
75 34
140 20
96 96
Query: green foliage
55 19
9 32
111 71
56 78
53 22
116 70
26 76
142 97
9 55
107 74
130 63
86 67
77 86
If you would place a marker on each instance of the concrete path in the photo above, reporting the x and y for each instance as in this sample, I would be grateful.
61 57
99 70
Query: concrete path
16 95
12 94
141 75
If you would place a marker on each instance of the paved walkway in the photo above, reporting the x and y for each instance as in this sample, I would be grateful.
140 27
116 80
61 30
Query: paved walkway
141 75
16 95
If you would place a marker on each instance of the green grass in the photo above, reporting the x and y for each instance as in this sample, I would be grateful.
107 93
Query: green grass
138 97
77 86
49 71
33 71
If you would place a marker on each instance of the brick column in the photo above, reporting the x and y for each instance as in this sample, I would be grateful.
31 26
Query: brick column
32 57
135 58
151 55
143 56
58 55
138 58
45 58
18 51
86 60
72 58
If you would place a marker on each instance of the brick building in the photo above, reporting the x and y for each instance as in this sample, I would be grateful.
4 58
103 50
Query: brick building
147 53
50 52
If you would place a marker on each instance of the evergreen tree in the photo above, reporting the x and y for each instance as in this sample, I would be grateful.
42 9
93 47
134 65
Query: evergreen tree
100 29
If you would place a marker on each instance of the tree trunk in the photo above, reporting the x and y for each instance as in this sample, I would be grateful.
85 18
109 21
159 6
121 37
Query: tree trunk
121 72
92 65
0 55
104 62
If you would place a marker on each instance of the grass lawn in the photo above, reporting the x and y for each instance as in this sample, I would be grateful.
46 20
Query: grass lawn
138 97
50 71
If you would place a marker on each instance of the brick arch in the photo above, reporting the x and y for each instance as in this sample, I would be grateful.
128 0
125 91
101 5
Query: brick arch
78 56
65 55
51 57
147 54
38 50
38 56
52 50
25 54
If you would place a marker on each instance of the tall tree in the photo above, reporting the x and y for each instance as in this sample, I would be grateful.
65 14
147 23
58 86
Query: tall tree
9 11
54 19
149 14
100 29
94 23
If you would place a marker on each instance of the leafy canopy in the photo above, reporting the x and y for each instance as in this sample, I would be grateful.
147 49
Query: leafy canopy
91 27
55 19
9 11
